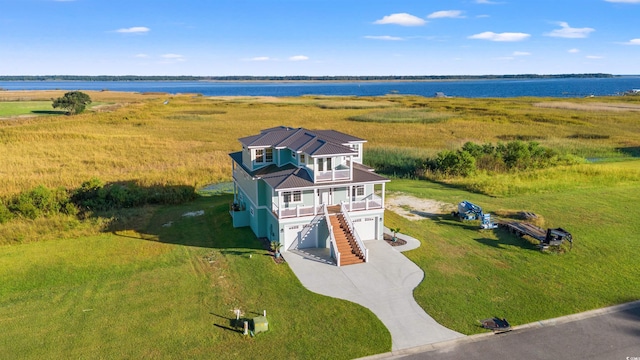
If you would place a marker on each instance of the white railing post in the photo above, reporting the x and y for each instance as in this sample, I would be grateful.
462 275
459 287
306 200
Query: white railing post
352 228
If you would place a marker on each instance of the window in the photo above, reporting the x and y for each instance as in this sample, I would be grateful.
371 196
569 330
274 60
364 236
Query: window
302 159
259 155
320 165
329 164
295 196
357 191
268 155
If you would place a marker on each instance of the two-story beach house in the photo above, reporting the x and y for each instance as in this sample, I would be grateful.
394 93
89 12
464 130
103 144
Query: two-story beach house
308 189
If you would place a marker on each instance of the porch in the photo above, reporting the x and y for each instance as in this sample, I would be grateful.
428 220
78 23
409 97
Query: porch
371 203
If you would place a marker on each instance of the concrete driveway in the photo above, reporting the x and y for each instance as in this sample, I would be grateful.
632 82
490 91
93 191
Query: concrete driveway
384 285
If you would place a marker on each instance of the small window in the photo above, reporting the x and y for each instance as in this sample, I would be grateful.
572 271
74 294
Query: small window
259 155
320 165
329 167
357 191
268 155
291 197
302 159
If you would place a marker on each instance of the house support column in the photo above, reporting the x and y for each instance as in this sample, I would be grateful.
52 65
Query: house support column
315 202
383 184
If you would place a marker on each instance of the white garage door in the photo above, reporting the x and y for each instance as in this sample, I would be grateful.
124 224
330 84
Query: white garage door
291 234
366 227
294 232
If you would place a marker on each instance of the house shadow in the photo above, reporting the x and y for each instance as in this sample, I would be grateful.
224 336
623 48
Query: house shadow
172 215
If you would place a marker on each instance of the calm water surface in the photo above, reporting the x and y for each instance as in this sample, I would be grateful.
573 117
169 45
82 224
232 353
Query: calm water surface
467 88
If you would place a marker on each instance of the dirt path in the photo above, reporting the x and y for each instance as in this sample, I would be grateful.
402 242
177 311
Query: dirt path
414 208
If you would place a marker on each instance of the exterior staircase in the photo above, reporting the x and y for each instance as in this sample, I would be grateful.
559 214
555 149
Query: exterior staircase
349 251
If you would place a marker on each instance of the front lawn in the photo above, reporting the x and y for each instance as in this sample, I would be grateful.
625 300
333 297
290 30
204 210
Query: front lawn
168 292
471 274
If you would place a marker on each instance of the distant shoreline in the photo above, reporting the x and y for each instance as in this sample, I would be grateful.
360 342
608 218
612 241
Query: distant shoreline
301 79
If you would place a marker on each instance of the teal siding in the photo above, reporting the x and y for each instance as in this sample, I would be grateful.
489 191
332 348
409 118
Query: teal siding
264 191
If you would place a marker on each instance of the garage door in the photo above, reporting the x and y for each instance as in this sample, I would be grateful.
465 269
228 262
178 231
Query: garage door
291 234
295 232
366 227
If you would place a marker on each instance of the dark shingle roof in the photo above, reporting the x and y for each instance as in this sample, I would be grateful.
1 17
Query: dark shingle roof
292 177
313 142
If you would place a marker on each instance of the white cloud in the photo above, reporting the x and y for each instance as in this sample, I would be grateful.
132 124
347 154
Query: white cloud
141 56
505 37
299 58
633 42
403 19
521 53
445 14
486 2
570 33
594 57
624 1
573 51
384 37
260 58
134 30
172 58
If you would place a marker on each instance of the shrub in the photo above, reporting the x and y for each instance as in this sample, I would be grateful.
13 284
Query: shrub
453 163
93 195
41 201
5 213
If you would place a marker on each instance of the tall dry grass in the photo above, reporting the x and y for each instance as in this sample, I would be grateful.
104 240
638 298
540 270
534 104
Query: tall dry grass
187 141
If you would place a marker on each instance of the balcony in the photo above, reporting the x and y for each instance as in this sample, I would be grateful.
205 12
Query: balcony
334 175
371 202
297 211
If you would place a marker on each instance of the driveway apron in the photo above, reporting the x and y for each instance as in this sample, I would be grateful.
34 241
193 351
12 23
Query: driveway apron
384 285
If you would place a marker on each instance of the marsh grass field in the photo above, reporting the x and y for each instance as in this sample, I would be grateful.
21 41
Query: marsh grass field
126 286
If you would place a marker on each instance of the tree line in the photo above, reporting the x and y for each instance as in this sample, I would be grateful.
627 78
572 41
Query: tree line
294 78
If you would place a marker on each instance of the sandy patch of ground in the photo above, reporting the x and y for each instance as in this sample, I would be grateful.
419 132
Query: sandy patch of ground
590 106
414 208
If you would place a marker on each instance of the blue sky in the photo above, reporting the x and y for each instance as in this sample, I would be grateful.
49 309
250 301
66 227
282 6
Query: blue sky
318 37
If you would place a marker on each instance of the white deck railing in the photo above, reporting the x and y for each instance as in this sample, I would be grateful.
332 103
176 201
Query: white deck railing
296 211
352 228
371 202
333 175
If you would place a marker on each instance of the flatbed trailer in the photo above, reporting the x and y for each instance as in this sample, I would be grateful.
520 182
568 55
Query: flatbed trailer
547 237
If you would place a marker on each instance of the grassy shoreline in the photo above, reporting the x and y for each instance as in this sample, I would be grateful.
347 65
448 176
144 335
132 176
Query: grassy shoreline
166 292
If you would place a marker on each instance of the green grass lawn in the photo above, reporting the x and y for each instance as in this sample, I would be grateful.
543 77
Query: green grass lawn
16 108
167 292
472 274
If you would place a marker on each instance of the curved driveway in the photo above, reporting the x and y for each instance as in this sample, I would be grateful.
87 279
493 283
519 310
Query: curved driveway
384 285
